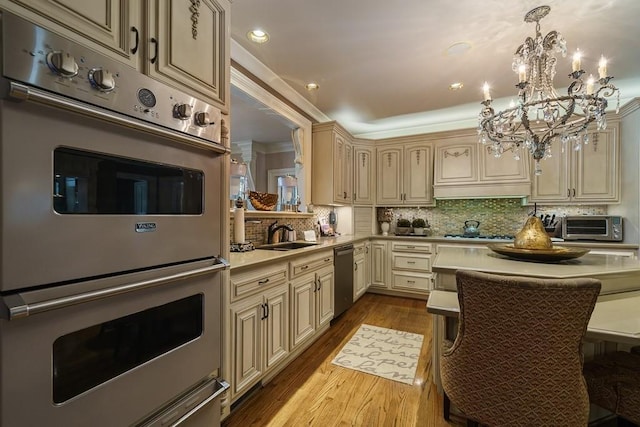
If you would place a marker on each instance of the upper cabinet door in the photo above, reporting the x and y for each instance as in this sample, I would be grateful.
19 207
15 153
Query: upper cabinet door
456 163
553 184
418 173
363 175
503 169
596 168
188 47
389 182
107 26
339 160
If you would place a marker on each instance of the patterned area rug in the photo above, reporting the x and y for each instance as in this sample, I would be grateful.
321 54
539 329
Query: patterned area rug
384 352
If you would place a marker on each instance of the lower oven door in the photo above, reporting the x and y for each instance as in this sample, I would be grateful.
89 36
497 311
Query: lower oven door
113 351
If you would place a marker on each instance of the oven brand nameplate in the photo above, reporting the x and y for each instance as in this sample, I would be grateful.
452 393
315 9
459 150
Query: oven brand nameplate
145 227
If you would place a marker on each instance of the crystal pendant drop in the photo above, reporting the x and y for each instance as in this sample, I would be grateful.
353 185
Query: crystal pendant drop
538 169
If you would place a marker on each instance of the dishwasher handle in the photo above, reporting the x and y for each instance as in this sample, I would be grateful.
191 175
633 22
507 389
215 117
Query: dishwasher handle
343 250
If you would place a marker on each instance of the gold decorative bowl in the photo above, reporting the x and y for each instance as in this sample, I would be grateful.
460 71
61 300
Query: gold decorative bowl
263 201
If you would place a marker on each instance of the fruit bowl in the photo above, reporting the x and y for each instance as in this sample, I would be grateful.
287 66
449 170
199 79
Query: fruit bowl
263 201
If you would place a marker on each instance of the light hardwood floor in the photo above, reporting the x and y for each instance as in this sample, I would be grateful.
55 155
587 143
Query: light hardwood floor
313 392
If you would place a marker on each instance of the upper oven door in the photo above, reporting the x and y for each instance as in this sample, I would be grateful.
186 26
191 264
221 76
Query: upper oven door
83 197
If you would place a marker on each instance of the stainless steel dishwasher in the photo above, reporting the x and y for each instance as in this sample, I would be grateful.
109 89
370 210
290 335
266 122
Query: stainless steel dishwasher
343 273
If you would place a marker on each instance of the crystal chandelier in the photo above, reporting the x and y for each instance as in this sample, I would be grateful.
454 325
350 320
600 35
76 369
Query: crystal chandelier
540 115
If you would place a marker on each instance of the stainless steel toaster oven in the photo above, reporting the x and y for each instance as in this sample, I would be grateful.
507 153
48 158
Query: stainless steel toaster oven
606 228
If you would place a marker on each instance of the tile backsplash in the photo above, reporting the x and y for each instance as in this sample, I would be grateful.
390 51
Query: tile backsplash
496 216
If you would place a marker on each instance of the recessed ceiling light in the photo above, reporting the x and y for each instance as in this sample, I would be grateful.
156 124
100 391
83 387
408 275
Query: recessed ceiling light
312 86
258 36
456 86
459 48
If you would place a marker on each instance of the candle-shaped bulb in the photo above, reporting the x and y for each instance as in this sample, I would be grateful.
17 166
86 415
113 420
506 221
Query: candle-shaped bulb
487 94
602 67
522 73
575 64
590 83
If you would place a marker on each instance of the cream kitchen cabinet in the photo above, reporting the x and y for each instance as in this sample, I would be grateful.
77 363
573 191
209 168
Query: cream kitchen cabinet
363 174
411 267
312 290
260 325
464 168
405 174
112 28
590 175
362 273
379 265
184 44
332 165
188 47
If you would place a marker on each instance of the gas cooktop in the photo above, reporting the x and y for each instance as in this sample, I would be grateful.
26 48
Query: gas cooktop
481 236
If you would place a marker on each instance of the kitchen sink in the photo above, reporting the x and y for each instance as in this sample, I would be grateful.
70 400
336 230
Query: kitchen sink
286 246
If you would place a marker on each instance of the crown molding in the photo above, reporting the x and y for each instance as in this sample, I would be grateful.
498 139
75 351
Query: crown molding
262 72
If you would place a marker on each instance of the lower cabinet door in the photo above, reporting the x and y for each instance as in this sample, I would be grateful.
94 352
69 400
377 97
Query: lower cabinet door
276 337
247 329
303 309
324 296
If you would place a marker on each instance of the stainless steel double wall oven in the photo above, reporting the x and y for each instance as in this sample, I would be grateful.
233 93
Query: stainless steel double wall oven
111 225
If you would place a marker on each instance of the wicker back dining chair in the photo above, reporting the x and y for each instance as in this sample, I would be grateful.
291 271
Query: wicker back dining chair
517 358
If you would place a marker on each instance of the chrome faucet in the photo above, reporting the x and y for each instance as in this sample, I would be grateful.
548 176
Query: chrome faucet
273 228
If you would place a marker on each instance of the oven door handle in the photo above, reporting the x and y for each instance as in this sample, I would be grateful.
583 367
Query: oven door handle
25 93
17 308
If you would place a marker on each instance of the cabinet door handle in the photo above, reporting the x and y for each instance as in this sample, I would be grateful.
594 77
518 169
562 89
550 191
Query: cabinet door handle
266 306
264 311
304 267
319 284
411 262
568 192
327 259
345 195
356 267
411 247
366 250
411 281
574 192
155 56
137 34
262 282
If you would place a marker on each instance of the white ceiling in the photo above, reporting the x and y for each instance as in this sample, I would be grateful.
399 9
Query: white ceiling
384 66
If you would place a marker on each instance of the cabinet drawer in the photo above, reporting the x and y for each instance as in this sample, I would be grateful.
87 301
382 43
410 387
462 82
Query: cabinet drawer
304 265
408 281
358 250
412 262
252 281
422 248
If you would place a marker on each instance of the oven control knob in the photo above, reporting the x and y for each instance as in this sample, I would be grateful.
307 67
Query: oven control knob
102 79
202 119
62 63
182 111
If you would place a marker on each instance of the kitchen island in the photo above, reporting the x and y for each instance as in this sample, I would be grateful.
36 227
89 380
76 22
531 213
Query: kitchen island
614 319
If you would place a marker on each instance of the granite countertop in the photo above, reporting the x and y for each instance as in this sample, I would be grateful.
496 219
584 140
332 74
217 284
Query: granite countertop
239 260
482 259
442 239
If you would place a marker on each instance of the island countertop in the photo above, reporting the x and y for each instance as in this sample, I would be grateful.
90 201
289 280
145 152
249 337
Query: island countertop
617 273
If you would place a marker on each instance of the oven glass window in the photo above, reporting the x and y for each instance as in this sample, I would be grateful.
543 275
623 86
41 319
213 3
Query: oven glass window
86 358
92 183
